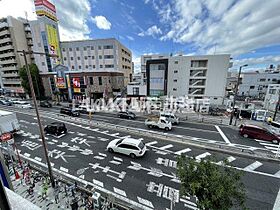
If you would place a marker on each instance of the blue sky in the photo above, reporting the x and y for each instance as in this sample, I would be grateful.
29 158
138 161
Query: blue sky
249 30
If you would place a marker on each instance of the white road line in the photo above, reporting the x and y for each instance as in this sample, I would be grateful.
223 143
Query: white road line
268 144
114 134
253 166
277 202
27 154
82 176
102 154
115 162
38 159
203 155
229 159
222 134
182 151
54 140
98 157
63 169
91 137
118 159
277 174
119 191
272 148
161 152
165 147
94 181
145 202
151 143
123 137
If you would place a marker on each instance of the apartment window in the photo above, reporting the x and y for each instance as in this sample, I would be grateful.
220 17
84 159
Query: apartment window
72 67
272 91
86 66
92 48
65 58
199 63
99 48
268 79
176 62
100 56
93 66
39 45
43 63
252 87
80 67
85 57
262 80
92 57
77 49
109 66
70 49
91 80
274 80
174 89
78 58
175 80
71 58
175 71
108 47
85 48
100 80
108 56
135 91
101 66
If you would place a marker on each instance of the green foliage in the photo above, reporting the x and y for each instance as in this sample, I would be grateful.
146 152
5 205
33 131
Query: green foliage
37 81
216 187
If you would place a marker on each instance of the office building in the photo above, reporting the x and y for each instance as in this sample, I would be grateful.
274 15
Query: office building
98 55
15 34
272 97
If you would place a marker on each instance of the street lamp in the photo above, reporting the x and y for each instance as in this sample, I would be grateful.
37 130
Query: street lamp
37 111
235 93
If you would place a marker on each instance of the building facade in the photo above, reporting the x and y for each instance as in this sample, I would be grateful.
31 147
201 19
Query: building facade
15 34
272 97
255 84
100 55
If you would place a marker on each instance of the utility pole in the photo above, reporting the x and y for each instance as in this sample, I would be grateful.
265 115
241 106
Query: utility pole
38 115
235 94
277 106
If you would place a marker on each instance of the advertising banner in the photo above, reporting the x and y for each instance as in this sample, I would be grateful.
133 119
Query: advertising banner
60 83
76 84
54 49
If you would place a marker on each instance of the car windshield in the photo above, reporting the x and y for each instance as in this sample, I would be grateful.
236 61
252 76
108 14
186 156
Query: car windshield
141 145
120 141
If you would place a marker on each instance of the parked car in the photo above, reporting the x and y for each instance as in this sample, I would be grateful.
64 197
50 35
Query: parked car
23 105
70 111
128 146
256 132
56 128
170 117
6 102
45 104
158 122
127 115
84 109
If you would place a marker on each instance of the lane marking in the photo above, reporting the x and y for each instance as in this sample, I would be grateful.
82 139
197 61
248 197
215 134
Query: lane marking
165 147
222 134
99 183
145 202
115 162
114 134
151 143
182 151
277 174
38 158
277 202
102 154
118 159
203 155
27 154
98 157
119 191
63 169
229 159
253 166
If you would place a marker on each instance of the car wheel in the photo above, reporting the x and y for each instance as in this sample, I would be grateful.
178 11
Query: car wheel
110 150
245 135
149 126
275 141
132 155
129 118
167 129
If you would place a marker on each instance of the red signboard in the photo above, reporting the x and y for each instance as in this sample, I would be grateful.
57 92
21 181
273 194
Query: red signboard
6 136
76 82
45 3
60 83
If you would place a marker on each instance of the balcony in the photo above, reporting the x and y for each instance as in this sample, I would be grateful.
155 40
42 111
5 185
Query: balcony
11 81
197 82
28 35
7 55
4 32
29 43
9 75
197 73
5 40
4 24
8 61
9 68
196 91
27 28
7 47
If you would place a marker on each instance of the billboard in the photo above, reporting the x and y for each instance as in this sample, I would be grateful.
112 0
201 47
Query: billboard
53 42
60 83
76 85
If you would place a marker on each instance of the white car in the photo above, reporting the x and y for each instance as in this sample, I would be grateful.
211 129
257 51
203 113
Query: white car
128 146
23 105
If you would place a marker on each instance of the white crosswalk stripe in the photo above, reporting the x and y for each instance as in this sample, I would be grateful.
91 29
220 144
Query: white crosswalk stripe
165 147
253 166
145 202
151 143
203 155
183 151
229 159
119 191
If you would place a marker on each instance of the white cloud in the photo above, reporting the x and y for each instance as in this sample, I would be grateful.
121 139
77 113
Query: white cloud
255 61
101 22
130 38
17 8
146 1
152 31
137 63
228 26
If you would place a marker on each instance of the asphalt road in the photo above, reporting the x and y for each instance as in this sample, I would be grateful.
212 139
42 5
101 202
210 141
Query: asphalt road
148 180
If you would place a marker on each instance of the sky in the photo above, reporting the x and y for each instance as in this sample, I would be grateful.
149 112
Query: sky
249 30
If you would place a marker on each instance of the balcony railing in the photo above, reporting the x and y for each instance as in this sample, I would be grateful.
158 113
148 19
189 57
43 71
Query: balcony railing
196 91
4 32
7 55
7 47
9 61
5 40
198 73
197 82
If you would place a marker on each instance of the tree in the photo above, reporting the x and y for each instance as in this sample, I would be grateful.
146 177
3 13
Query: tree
215 187
37 81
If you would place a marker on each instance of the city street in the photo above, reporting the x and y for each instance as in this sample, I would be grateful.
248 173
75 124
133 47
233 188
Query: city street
151 180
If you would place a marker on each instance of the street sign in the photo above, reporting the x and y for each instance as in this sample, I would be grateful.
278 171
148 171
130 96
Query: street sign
5 137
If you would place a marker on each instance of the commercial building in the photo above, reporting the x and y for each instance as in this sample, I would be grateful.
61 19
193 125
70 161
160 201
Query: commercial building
15 34
255 84
272 97
98 55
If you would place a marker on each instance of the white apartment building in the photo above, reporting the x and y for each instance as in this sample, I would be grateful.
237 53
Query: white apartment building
272 96
15 34
255 84
99 55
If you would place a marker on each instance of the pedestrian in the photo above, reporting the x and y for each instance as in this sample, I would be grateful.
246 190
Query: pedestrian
73 190
65 189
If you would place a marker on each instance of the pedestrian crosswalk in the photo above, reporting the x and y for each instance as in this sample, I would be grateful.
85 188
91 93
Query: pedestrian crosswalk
274 148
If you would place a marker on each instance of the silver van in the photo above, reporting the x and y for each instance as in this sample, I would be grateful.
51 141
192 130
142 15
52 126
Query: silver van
170 117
